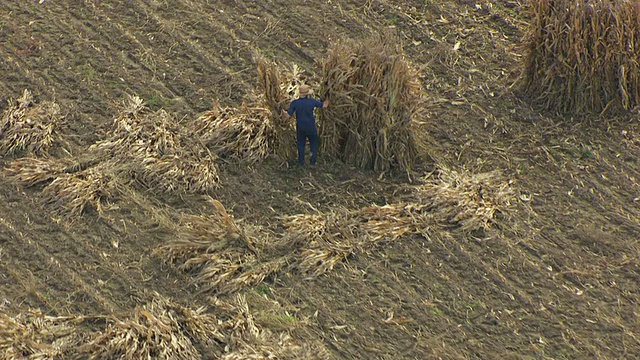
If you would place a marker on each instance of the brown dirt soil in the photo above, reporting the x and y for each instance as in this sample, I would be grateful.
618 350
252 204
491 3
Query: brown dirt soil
555 276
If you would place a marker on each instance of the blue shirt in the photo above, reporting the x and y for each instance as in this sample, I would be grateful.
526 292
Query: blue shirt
303 108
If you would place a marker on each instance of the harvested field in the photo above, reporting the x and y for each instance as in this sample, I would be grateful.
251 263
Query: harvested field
149 207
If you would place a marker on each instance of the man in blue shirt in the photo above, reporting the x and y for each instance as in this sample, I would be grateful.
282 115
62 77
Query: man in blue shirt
306 122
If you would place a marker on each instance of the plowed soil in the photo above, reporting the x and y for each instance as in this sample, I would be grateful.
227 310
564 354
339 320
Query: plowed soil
555 277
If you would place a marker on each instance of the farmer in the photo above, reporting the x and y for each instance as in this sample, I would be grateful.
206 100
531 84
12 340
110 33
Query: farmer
305 122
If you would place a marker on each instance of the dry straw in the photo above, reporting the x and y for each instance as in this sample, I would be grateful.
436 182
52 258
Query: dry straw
217 251
158 152
33 335
158 330
584 55
29 128
66 191
246 133
278 87
375 97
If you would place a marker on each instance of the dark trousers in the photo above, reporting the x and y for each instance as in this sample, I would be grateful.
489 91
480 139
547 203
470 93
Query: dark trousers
303 135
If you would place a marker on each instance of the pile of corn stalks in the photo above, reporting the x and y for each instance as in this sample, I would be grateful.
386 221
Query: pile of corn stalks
220 254
159 330
159 153
331 238
582 55
241 134
466 200
375 97
33 335
29 128
67 192
462 201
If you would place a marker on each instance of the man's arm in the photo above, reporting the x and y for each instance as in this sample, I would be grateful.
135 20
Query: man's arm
287 113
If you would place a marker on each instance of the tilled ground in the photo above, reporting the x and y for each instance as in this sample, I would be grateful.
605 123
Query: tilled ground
555 276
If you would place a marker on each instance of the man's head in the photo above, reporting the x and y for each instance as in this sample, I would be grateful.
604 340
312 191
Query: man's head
304 90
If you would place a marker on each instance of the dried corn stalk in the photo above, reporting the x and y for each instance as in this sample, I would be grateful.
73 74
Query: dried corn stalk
248 341
467 200
375 97
158 330
217 251
29 128
34 335
242 134
71 194
582 56
159 153
34 171
279 88
66 192
331 238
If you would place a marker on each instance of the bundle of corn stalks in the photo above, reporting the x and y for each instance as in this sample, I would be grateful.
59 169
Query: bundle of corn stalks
157 152
71 194
466 200
158 330
243 134
219 253
34 171
279 89
29 128
582 56
279 86
67 192
332 238
375 97
34 335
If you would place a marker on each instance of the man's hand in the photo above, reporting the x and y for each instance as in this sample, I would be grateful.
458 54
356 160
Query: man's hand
285 115
325 103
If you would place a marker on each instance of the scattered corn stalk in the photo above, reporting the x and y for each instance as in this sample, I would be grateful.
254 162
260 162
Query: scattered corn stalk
248 341
159 153
241 134
29 128
34 335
